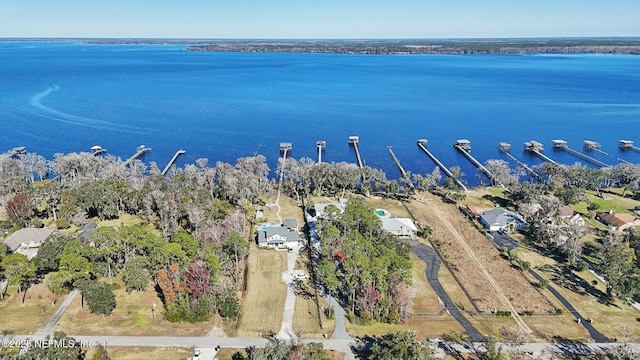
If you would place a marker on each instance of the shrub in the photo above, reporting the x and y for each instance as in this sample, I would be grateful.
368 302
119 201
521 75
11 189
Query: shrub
63 224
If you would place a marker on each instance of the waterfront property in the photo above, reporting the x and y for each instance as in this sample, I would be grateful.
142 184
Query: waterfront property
276 236
499 219
320 209
400 227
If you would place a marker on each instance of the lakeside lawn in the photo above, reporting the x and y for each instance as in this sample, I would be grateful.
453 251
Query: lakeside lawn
263 301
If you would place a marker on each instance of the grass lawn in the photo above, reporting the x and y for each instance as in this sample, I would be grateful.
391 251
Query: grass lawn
424 326
288 210
485 197
425 300
264 298
305 318
145 352
27 318
394 207
614 202
132 316
123 219
586 293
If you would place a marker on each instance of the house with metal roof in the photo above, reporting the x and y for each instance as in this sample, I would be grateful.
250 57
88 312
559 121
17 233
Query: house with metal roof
499 219
277 236
400 227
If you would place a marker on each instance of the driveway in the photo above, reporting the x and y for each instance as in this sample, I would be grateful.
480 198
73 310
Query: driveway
431 258
504 241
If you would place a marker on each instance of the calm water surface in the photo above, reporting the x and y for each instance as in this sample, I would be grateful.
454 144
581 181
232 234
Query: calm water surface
66 97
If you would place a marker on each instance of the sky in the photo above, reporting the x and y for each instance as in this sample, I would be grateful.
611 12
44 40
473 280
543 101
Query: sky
318 19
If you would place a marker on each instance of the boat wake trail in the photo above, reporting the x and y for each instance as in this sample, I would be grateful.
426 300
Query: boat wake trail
62 117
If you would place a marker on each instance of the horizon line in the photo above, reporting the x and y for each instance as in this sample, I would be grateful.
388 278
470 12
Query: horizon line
316 39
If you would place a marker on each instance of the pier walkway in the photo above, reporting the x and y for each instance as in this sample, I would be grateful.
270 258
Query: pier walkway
464 146
141 150
422 143
173 159
353 140
562 145
505 148
536 149
320 144
404 173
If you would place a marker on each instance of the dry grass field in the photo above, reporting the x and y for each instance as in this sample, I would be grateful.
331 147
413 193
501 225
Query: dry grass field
263 301
489 280
132 316
145 352
27 318
305 318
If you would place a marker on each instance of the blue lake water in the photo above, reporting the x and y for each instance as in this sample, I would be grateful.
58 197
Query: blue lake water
66 97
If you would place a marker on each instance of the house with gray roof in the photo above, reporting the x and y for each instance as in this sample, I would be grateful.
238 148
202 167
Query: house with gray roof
277 236
27 241
499 219
320 209
400 227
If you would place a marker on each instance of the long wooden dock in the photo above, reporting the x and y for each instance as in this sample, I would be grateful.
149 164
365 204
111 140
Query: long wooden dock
422 143
505 148
173 159
353 140
320 144
464 147
563 145
141 150
404 173
536 149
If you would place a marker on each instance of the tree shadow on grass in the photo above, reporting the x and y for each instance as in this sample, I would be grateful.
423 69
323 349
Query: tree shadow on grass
565 277
502 202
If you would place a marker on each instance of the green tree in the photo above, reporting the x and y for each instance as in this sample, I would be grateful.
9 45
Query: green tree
65 349
19 271
99 296
135 274
236 249
188 243
48 257
618 269
76 267
173 253
401 345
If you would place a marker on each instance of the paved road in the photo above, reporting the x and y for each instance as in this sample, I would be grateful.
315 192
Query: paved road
340 331
431 258
538 350
596 335
48 327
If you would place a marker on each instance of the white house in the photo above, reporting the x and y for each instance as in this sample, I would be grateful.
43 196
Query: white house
400 227
277 236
